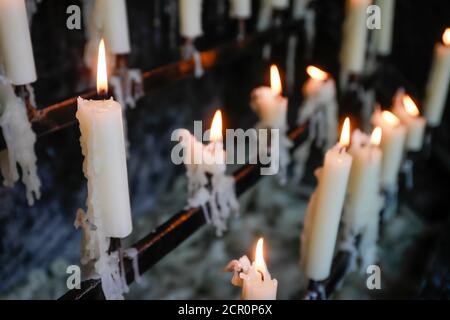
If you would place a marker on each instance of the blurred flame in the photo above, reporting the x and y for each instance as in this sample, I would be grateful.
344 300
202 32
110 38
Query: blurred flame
216 127
410 106
316 73
345 134
390 118
102 74
275 80
446 37
375 139
260 264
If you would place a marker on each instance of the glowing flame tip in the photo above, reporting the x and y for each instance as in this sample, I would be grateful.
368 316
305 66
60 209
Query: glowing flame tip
375 139
275 80
345 134
446 37
102 74
410 106
216 127
316 73
390 118
259 257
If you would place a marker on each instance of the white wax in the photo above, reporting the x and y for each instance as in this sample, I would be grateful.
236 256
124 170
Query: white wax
437 87
115 25
354 41
299 8
241 9
328 204
415 127
270 107
105 166
265 15
256 288
392 146
364 182
16 47
383 36
280 4
190 18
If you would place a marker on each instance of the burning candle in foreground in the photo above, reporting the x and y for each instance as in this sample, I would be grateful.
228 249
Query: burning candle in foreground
408 112
392 146
103 146
438 82
325 208
254 278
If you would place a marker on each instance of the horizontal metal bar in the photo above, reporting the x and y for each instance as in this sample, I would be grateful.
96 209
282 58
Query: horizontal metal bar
62 115
171 234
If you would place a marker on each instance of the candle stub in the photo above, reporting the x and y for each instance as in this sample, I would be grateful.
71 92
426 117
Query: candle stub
254 278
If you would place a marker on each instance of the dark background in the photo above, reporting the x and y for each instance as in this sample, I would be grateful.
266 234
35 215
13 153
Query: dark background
34 237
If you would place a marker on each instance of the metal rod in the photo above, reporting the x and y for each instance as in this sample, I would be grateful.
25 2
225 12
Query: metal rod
62 115
157 244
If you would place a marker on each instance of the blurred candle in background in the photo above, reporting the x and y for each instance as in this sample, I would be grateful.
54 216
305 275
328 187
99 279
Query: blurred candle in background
15 42
115 25
383 36
190 18
438 82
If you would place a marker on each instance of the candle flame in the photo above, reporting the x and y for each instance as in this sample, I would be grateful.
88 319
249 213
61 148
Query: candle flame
216 127
275 80
410 106
390 118
316 73
102 74
375 139
260 264
446 37
345 134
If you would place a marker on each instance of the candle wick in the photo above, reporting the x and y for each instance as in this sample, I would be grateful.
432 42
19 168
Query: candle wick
262 274
342 150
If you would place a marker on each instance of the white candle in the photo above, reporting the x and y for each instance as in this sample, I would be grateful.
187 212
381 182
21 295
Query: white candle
438 82
105 167
115 25
406 110
190 18
354 42
16 47
299 9
265 15
392 145
254 278
280 4
364 182
383 36
328 203
269 104
241 9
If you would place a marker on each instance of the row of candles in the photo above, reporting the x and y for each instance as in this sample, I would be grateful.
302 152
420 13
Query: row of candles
361 171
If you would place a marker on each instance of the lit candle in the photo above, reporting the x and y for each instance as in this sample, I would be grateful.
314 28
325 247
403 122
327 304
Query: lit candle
354 42
392 146
115 25
320 95
254 278
364 182
325 209
406 110
103 146
241 9
269 104
438 82
280 4
383 36
208 185
15 42
190 18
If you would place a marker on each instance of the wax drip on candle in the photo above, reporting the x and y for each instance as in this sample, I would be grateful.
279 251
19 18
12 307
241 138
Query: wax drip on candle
271 108
20 140
320 110
208 185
